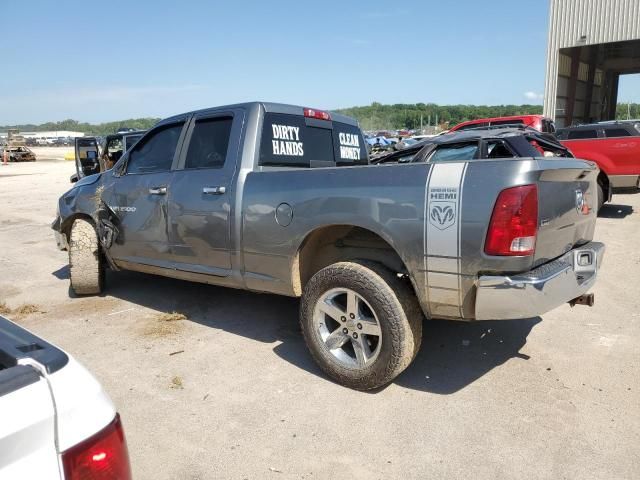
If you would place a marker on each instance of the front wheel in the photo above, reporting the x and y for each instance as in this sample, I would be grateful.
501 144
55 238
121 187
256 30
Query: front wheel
362 324
85 259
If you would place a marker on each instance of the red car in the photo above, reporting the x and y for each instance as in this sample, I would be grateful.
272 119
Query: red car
614 146
539 122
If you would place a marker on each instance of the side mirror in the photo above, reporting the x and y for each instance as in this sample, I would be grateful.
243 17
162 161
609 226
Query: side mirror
73 178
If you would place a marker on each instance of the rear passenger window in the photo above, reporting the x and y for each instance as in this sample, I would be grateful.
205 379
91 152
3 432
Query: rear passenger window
287 141
580 134
209 143
616 132
454 153
155 152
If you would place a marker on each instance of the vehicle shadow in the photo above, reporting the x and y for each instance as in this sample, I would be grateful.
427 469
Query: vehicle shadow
62 273
612 210
453 354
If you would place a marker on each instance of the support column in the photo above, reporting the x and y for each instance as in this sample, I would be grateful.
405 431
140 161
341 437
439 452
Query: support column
571 89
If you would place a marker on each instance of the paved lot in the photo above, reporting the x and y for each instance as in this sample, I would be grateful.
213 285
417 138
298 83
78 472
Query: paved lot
231 392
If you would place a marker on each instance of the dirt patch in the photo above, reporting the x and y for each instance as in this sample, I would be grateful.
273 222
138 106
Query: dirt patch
4 309
164 325
176 383
21 311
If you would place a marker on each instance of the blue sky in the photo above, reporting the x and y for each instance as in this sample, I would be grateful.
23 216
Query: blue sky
99 61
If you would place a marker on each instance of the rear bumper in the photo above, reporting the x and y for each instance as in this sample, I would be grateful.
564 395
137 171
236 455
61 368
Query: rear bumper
542 289
624 181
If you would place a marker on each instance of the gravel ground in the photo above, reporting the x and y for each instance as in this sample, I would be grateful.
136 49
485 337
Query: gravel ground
224 388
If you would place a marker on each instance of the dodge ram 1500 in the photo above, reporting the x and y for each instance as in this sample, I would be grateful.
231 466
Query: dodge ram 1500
282 199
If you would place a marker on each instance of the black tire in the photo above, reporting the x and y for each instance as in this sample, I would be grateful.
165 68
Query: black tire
396 307
600 196
85 259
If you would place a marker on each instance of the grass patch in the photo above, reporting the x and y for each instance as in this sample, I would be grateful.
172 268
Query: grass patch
4 309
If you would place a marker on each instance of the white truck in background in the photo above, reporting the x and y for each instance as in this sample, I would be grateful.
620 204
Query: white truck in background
56 421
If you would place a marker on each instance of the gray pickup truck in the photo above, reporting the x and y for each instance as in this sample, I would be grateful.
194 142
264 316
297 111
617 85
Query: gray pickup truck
282 199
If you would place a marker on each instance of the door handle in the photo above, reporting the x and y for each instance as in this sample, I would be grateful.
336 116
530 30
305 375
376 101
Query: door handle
214 190
158 190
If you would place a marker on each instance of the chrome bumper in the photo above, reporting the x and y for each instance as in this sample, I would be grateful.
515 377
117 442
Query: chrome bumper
542 289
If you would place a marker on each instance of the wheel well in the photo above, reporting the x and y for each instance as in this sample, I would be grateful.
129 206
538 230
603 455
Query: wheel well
603 180
338 243
65 228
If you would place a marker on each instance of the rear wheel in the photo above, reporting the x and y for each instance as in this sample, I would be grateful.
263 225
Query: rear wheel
85 259
362 324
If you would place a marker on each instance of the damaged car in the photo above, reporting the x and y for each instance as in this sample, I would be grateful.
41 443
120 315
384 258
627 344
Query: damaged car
282 199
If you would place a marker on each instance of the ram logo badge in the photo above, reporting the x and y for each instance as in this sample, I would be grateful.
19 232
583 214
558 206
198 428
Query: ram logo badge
442 214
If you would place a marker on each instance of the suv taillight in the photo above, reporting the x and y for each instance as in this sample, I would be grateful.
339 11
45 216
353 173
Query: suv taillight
100 457
514 222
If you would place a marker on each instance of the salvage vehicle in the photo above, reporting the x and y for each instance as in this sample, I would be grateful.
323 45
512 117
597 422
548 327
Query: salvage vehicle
282 199
97 154
537 122
474 144
20 154
614 146
56 421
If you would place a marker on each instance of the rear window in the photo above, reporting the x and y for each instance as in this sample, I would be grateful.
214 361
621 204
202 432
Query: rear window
507 122
348 144
580 134
616 132
474 125
295 141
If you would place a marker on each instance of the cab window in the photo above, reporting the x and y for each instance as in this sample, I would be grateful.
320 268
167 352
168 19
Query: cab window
582 134
155 152
616 132
454 153
209 143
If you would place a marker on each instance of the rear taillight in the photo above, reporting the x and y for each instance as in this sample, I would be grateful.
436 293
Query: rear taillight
100 457
514 222
319 114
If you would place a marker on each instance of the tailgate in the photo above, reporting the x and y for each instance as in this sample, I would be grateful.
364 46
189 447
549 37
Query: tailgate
567 206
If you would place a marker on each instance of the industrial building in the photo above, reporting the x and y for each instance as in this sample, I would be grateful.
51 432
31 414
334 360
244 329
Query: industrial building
48 135
591 44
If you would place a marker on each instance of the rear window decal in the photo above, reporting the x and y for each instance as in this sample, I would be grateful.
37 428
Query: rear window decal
349 146
286 140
